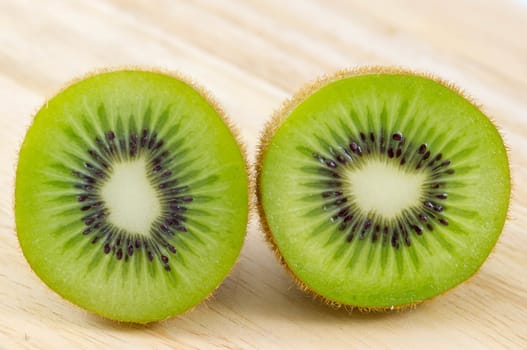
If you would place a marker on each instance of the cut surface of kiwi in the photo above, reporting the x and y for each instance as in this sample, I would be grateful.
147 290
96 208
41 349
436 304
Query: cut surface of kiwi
380 188
131 195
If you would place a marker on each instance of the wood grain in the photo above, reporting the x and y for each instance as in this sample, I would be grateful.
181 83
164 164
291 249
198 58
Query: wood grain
251 55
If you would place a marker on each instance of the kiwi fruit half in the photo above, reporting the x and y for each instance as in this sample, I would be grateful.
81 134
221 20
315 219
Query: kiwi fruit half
380 188
131 195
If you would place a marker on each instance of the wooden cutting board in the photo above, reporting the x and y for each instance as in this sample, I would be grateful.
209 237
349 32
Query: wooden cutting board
252 55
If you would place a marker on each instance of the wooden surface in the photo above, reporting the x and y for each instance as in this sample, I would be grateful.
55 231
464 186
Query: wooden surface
251 55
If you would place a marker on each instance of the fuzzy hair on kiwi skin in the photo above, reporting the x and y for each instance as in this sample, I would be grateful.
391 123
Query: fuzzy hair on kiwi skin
210 99
274 123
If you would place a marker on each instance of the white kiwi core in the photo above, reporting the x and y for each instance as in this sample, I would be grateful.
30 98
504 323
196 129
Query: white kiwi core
383 188
130 197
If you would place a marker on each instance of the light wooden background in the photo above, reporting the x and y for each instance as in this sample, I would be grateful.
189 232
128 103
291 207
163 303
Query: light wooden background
252 55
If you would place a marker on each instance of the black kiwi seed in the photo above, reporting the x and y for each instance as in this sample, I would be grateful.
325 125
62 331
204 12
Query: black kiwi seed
417 220
88 183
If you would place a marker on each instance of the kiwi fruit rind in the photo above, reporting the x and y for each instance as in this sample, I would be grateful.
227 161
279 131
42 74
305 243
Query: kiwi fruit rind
380 188
131 195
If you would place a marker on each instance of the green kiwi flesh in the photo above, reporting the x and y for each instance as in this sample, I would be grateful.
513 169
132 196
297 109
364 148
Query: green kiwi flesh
381 188
131 195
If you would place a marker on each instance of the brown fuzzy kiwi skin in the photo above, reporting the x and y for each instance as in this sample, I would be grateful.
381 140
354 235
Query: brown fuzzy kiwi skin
203 92
274 123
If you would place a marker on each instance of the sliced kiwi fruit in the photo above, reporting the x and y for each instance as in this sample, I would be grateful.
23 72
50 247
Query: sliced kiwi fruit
131 195
380 188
